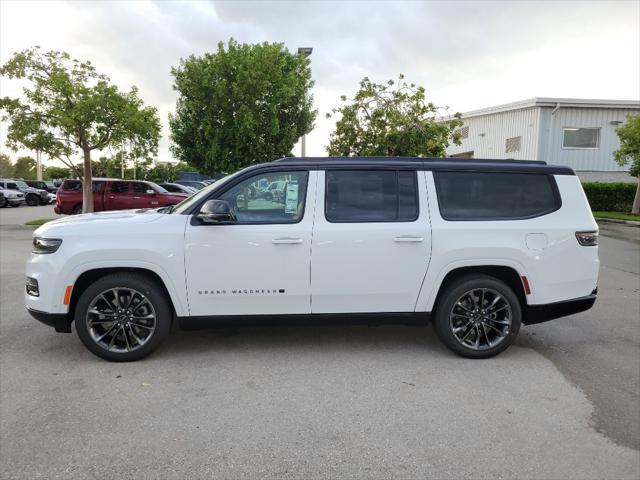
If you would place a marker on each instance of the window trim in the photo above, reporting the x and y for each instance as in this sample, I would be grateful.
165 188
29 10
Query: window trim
550 178
396 171
597 147
216 196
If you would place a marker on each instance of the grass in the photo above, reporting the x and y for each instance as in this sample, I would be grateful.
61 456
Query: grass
617 216
39 221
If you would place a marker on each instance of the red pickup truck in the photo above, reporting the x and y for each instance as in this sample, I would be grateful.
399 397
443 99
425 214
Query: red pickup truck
114 194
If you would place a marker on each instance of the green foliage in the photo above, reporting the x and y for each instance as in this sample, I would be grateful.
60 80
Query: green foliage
617 216
391 119
56 173
68 108
629 151
166 173
25 168
6 167
241 105
612 197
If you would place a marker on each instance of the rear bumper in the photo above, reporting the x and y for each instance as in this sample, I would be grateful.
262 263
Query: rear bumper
59 321
551 311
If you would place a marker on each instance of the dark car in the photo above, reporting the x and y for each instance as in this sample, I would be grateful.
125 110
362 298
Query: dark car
33 196
114 194
42 185
177 188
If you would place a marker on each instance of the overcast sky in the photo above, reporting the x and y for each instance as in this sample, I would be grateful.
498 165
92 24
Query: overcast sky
466 54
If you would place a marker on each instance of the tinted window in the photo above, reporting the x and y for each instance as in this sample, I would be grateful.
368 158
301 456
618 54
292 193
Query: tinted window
97 187
252 203
12 186
371 196
494 196
119 187
140 187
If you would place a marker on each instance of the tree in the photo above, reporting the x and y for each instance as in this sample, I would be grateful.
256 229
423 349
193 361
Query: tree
68 108
629 152
25 168
391 119
241 105
6 167
56 173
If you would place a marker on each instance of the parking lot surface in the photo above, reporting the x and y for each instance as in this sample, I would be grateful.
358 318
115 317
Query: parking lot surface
316 402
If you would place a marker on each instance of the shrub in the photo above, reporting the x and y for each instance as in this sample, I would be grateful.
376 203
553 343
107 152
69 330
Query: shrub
610 197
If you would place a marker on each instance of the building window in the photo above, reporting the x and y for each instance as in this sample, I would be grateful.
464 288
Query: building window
513 144
463 132
580 137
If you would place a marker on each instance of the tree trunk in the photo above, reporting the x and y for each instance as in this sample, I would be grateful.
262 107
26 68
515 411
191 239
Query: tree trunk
636 201
87 184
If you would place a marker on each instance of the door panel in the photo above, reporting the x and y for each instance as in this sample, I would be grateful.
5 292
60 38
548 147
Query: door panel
118 196
368 266
253 268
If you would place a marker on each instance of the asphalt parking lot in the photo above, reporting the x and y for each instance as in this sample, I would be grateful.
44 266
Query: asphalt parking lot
317 402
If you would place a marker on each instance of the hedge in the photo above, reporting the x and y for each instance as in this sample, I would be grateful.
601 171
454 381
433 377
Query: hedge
610 197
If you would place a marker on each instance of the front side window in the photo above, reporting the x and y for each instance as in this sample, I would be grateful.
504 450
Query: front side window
580 137
139 187
12 186
495 196
371 196
119 187
282 201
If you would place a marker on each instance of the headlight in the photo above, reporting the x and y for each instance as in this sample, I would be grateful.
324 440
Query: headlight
46 245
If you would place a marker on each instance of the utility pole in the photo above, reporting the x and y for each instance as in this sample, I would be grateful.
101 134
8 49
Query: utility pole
306 51
38 166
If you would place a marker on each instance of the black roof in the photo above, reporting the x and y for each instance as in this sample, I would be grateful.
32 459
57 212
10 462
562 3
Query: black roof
432 164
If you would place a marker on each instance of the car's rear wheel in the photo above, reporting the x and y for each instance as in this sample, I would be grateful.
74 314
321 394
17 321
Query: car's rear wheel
77 210
3 202
477 316
33 200
123 317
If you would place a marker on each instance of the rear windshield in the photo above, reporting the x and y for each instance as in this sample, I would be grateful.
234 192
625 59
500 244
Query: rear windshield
495 196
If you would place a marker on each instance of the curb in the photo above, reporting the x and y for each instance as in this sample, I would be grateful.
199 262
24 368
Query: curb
619 222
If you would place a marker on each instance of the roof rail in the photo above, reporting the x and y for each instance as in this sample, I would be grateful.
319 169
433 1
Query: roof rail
408 159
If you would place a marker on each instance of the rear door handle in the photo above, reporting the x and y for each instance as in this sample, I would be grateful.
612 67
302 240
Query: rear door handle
408 239
291 240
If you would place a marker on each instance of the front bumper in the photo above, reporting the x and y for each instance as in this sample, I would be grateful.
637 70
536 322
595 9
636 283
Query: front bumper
551 311
59 321
15 201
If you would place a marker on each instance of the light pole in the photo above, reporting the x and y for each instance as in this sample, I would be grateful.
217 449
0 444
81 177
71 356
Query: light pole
306 51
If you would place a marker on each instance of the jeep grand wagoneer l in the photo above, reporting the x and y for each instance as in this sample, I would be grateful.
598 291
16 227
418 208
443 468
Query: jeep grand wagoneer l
477 247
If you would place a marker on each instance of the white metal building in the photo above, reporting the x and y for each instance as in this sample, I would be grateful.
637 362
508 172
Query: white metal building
565 131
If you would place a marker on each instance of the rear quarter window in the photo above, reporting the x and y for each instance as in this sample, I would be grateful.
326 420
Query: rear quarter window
495 196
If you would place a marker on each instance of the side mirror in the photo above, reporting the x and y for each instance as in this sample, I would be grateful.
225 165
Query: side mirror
150 191
216 211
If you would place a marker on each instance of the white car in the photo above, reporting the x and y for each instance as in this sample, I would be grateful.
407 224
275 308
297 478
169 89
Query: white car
476 247
12 198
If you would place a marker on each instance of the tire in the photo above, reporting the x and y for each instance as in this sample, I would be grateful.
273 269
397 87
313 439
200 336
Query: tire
3 203
77 210
268 196
136 333
471 331
32 200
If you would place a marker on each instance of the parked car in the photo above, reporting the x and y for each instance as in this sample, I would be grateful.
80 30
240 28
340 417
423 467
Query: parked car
12 198
191 183
51 198
177 188
476 247
33 196
47 185
114 194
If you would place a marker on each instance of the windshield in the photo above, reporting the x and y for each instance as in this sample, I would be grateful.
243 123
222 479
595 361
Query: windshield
21 184
203 193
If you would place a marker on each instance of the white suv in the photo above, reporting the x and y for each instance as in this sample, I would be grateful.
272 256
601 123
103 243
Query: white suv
478 247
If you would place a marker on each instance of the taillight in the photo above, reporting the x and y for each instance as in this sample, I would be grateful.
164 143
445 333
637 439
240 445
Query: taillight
587 239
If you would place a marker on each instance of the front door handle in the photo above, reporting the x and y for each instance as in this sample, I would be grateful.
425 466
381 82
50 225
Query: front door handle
408 239
291 240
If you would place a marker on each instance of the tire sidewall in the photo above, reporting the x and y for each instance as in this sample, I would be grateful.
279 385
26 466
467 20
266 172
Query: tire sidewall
32 200
453 293
144 285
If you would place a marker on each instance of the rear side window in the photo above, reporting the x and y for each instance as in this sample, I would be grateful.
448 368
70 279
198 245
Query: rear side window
495 196
72 186
371 196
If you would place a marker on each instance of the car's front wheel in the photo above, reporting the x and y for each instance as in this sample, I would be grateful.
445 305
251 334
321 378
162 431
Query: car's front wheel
33 200
123 317
477 316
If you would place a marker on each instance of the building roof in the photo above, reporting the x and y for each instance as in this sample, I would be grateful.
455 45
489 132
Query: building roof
553 102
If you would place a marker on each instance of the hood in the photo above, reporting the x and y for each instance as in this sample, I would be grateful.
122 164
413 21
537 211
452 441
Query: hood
92 221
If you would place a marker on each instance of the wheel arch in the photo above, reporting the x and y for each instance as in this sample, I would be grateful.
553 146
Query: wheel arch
507 274
87 277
